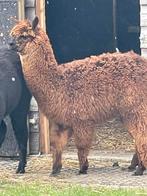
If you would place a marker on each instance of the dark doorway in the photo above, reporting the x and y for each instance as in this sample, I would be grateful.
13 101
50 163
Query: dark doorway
80 28
128 25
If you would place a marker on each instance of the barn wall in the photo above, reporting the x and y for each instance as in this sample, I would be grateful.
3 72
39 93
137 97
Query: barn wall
143 26
8 15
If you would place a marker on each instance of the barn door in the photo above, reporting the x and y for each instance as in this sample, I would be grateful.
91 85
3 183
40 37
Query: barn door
80 28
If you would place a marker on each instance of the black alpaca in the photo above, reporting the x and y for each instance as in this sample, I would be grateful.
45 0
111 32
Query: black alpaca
14 101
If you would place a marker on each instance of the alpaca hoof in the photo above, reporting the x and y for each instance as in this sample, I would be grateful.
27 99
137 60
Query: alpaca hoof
137 174
20 171
55 172
84 168
21 167
83 172
139 171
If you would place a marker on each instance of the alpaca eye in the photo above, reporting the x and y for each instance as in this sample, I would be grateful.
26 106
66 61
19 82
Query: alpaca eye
23 37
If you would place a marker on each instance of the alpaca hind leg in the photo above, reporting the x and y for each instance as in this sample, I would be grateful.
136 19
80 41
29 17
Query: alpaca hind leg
137 126
83 135
3 127
82 155
59 138
134 162
3 130
20 127
19 123
139 168
141 146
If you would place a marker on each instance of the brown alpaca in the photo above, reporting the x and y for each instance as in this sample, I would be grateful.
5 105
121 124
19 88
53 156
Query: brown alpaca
80 94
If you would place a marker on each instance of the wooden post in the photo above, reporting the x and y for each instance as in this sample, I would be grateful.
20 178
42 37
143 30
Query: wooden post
44 134
21 10
44 123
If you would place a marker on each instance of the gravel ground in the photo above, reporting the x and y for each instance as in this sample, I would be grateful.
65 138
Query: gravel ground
100 173
112 144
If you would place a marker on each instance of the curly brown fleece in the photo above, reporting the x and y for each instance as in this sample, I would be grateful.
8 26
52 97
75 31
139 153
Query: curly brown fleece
83 93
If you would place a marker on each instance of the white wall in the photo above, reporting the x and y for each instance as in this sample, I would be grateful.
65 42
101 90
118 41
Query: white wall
143 26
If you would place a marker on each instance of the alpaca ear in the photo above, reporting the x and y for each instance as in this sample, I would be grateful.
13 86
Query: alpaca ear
35 22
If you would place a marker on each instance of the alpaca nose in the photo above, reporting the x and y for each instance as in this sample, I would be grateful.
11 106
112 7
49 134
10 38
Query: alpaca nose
12 43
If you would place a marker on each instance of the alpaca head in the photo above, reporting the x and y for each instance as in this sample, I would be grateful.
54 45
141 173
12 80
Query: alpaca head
23 33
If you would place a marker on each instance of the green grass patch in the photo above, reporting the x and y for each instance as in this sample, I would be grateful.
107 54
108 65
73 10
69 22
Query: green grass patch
38 189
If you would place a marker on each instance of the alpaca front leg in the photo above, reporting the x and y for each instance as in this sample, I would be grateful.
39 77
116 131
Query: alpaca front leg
57 161
83 161
59 138
83 134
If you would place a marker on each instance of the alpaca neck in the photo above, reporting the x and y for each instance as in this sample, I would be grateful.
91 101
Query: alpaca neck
39 63
43 41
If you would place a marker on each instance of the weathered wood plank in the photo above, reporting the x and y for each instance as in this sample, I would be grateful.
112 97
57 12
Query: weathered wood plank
44 134
44 123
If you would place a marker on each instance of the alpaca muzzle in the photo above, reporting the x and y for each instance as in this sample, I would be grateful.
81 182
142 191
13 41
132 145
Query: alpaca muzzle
12 44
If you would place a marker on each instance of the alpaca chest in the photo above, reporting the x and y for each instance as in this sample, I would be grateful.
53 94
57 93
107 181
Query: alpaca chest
10 91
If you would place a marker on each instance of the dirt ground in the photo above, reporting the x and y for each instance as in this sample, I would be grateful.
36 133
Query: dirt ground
111 144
